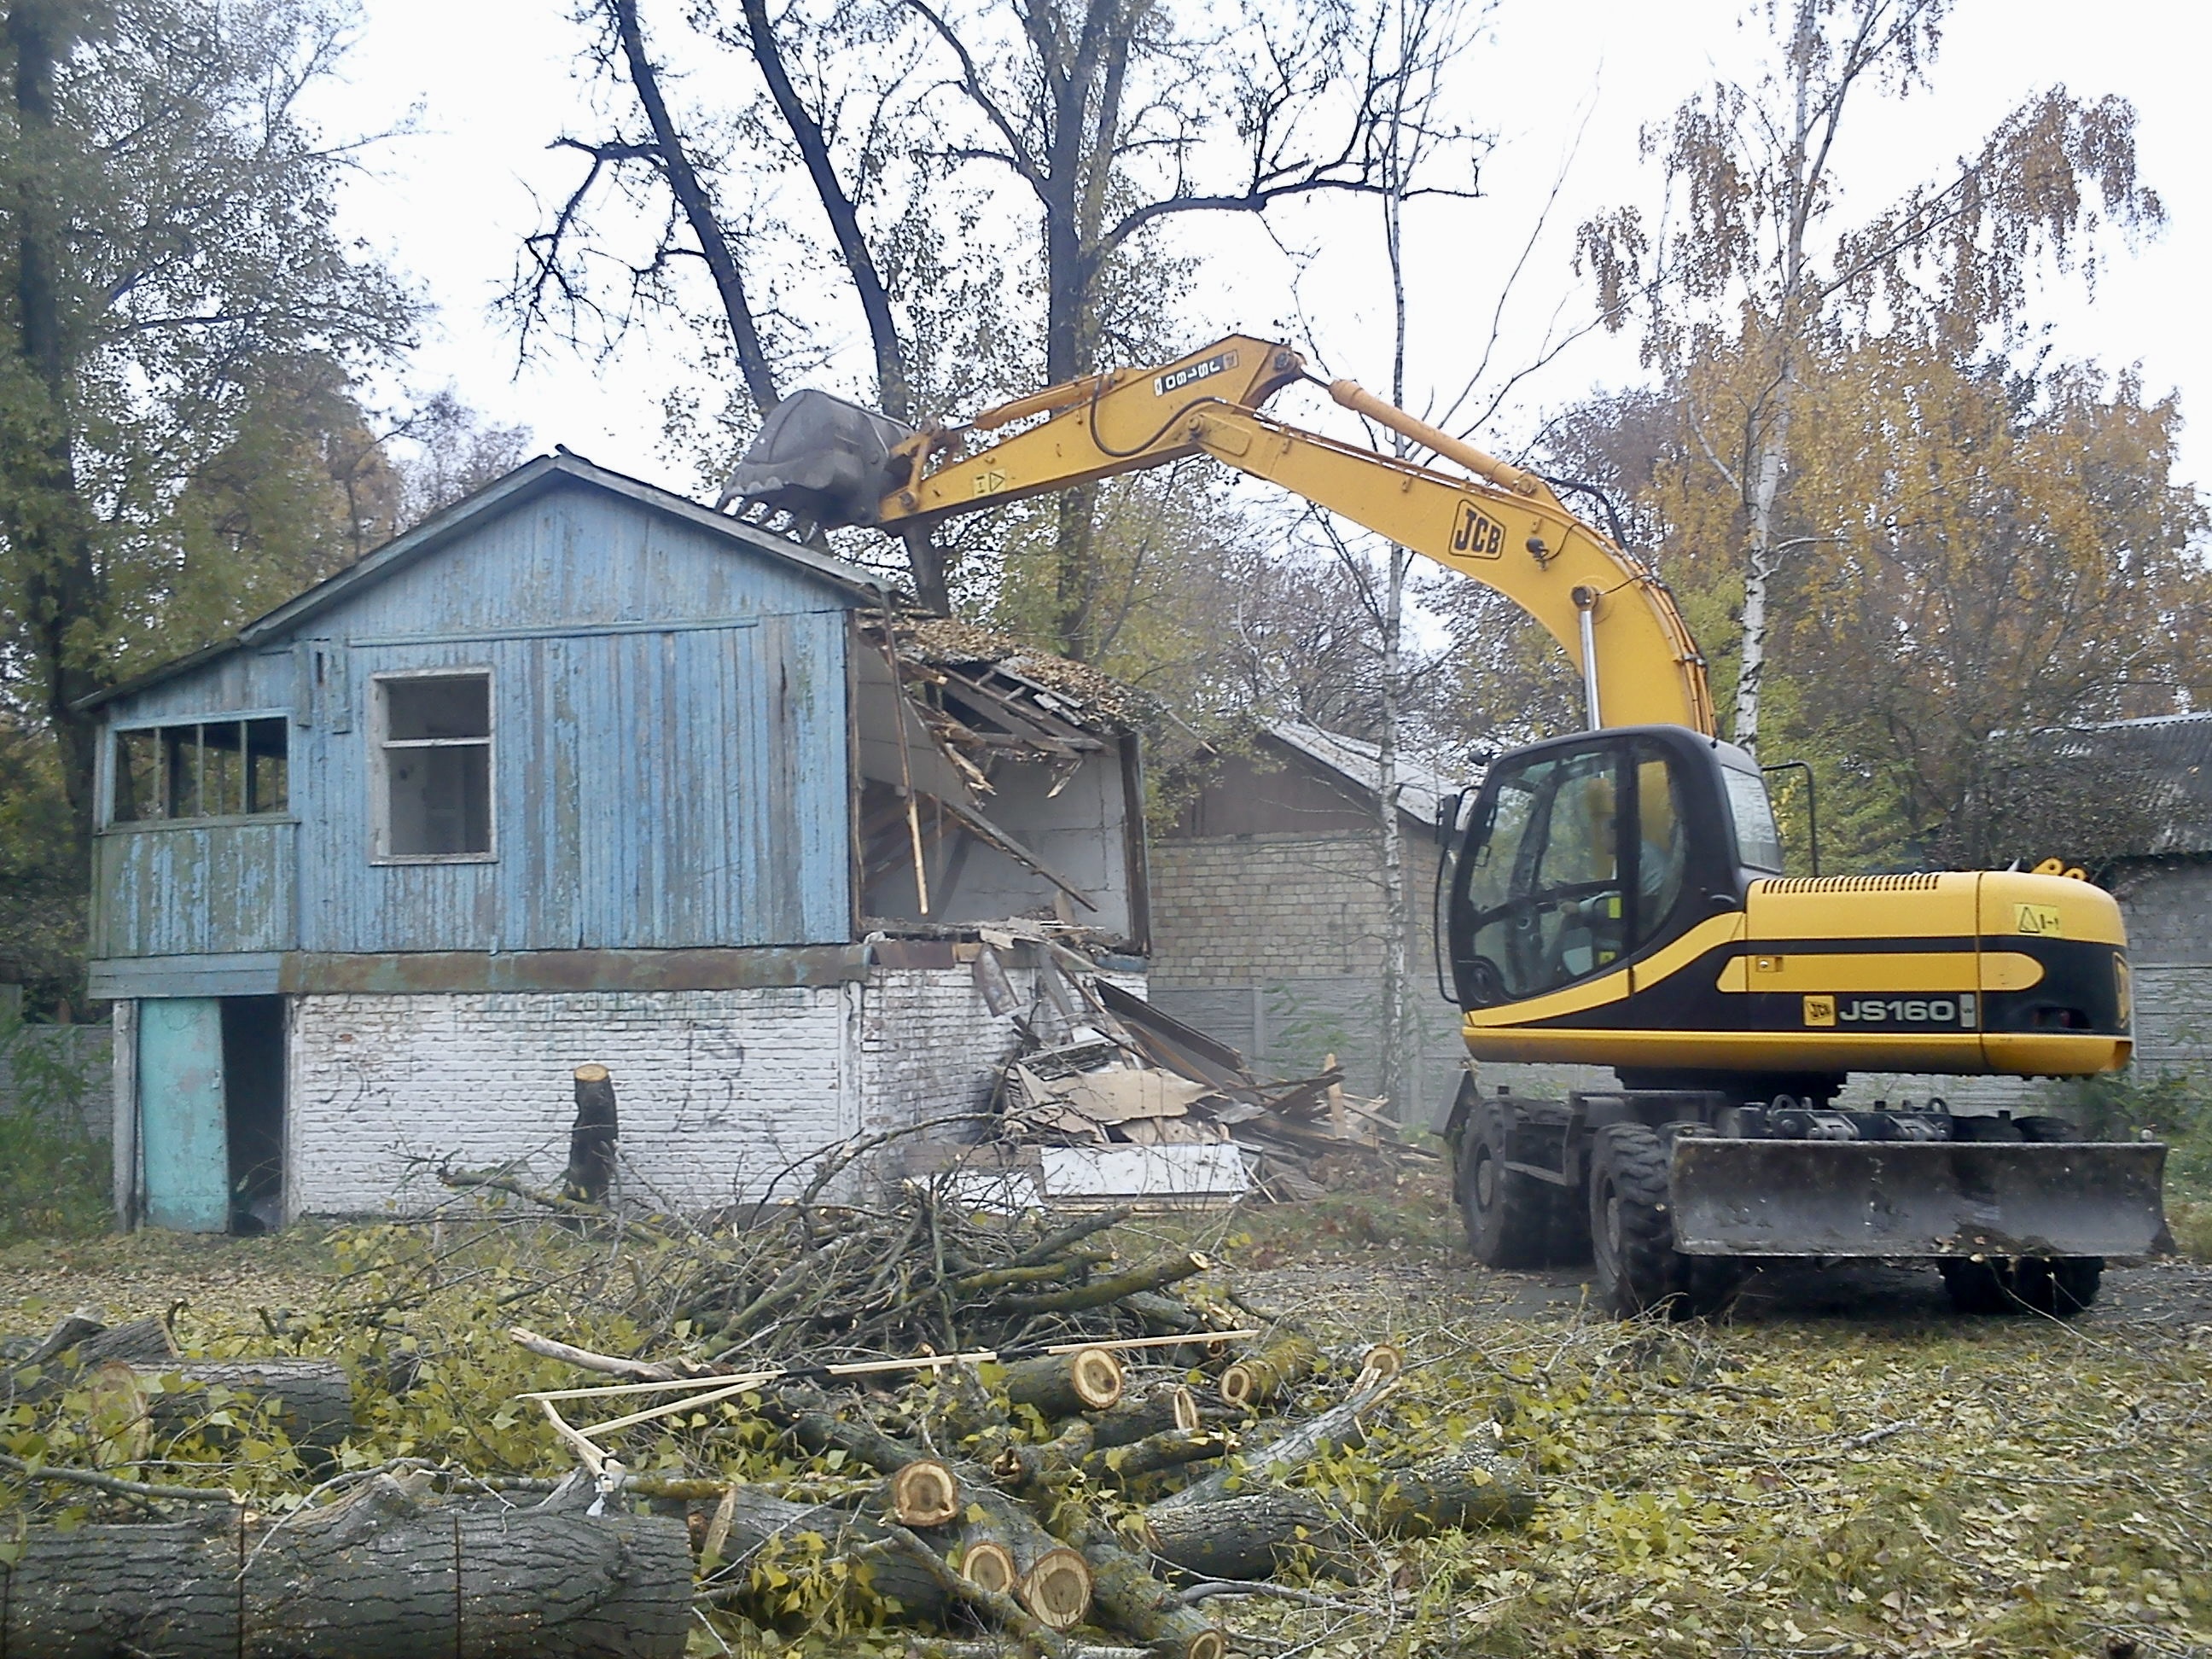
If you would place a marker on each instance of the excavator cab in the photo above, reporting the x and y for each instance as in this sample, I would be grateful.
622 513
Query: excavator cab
1586 854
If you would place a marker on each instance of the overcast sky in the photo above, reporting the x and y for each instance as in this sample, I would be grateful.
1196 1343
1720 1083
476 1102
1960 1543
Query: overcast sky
492 82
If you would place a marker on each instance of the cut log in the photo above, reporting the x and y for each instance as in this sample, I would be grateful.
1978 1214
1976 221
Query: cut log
1061 1384
1149 1276
1264 1377
1173 1450
1248 1534
1127 1599
140 1342
1337 1426
1474 1486
592 1140
1165 1408
309 1399
922 1494
985 1562
1050 1580
384 1574
758 1522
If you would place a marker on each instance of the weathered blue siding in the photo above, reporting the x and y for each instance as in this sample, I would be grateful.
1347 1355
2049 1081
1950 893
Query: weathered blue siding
670 762
187 888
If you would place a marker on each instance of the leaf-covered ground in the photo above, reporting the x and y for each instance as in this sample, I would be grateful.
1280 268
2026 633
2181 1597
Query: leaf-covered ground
1840 1467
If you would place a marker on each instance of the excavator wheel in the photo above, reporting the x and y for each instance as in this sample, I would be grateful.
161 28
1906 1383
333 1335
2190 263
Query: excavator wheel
2056 1286
1513 1219
1632 1230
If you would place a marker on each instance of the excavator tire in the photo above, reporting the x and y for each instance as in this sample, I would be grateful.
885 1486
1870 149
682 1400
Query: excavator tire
1512 1219
2057 1288
1638 1269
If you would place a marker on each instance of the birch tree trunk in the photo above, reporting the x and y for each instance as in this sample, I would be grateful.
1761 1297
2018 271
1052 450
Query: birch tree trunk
1761 556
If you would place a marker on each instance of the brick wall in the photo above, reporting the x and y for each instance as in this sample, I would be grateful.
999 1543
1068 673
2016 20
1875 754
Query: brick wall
1273 944
717 1089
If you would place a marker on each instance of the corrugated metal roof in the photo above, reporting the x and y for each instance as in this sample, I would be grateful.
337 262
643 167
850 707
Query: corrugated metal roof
1359 763
526 481
2175 751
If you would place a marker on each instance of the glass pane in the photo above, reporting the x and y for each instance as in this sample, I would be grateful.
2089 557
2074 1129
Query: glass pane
1757 842
268 785
1584 829
456 707
1662 853
222 772
1490 871
137 783
441 800
180 766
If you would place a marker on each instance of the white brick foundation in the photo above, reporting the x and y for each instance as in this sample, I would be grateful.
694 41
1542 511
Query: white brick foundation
719 1090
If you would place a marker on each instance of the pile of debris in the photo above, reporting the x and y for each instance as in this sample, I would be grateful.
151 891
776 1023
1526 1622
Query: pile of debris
1150 1107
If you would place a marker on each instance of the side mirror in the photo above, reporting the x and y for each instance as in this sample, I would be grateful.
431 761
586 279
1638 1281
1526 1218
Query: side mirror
1448 812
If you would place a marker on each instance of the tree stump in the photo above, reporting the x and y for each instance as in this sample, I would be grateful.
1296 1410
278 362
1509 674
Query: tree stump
591 1142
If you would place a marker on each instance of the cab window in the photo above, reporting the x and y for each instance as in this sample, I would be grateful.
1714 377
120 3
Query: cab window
1757 842
1581 858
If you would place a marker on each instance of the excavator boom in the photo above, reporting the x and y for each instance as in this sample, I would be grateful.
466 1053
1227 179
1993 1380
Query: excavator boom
1503 527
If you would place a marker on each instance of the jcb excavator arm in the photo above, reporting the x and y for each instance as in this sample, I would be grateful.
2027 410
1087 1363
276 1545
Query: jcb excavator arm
1505 527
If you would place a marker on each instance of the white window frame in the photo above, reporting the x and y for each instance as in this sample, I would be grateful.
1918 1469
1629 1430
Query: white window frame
380 780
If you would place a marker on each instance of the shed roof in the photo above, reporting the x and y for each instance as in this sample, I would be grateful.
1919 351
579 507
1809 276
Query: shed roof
525 482
1359 763
2175 751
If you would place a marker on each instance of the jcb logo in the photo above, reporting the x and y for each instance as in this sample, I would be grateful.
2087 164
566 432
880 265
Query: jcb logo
1476 536
1820 1011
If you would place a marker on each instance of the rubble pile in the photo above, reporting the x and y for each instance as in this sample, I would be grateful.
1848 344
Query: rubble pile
1127 1076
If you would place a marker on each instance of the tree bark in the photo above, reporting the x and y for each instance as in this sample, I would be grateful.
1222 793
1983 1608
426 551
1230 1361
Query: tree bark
697 209
1163 1408
1148 1276
1252 1534
45 514
383 1575
1475 1485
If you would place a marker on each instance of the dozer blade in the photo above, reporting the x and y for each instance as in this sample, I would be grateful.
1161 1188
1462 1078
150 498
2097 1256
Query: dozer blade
1904 1198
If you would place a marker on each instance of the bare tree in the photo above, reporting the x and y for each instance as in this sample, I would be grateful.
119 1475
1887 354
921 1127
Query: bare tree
554 288
1110 114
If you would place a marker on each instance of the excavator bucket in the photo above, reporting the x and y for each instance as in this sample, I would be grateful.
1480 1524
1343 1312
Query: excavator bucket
1904 1198
820 458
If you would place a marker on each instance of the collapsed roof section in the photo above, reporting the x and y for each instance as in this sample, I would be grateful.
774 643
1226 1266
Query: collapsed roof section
997 782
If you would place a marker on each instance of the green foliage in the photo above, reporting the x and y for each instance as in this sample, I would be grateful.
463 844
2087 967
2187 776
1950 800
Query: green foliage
54 1174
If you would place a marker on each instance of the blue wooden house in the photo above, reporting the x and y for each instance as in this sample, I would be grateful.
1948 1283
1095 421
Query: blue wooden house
576 771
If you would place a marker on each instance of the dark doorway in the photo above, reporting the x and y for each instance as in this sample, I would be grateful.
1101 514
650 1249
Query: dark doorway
253 1111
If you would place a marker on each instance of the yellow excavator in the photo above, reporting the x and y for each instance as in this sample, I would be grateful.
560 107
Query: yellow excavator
1616 897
